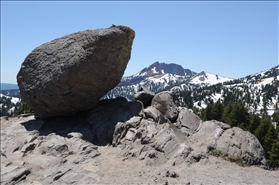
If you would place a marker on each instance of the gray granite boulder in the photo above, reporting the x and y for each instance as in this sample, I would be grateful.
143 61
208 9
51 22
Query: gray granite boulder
237 142
233 142
71 73
164 102
188 121
145 96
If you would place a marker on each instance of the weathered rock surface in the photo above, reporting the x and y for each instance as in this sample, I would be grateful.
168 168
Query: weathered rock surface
146 147
231 141
108 113
188 121
237 142
145 96
164 102
72 73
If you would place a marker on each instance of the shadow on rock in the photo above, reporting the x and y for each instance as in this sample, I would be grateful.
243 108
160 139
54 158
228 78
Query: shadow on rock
96 125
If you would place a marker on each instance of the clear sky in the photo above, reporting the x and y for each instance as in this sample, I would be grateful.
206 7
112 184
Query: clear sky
231 39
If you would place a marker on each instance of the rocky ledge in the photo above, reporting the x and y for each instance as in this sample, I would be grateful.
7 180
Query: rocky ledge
147 140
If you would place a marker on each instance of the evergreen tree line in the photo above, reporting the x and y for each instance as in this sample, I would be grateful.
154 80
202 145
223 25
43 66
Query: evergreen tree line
19 108
247 94
7 105
24 108
236 115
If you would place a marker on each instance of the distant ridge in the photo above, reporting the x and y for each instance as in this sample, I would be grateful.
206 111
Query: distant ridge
7 86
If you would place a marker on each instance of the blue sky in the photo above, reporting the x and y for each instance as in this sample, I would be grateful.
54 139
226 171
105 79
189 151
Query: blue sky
231 39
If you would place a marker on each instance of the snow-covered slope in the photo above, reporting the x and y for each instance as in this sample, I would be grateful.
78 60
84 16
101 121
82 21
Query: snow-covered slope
161 76
207 79
259 92
8 105
157 77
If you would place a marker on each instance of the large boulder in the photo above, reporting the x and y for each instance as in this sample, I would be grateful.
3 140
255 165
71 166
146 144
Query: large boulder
237 142
234 142
72 73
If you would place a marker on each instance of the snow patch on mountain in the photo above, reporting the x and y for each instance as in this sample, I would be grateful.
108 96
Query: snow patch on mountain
259 92
265 81
8 104
14 100
207 79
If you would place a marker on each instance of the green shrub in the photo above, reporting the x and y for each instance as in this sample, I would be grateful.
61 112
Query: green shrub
23 109
236 159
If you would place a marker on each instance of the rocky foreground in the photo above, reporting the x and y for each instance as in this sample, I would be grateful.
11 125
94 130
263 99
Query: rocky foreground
73 138
145 141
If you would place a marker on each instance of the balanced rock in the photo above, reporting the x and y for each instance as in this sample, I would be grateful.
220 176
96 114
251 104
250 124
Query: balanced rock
72 73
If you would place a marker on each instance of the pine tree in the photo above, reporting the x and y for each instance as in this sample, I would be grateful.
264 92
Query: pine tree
217 110
253 123
207 113
236 115
269 138
226 114
243 117
262 130
274 154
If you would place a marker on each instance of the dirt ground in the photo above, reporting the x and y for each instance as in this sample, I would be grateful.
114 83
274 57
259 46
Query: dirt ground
113 170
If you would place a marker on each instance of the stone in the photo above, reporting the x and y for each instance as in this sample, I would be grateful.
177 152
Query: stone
208 133
231 141
32 154
164 102
182 153
120 130
131 134
188 120
71 73
108 113
145 96
237 142
155 115
13 174
75 135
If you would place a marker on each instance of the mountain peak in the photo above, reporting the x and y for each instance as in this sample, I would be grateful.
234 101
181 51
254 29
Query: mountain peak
159 68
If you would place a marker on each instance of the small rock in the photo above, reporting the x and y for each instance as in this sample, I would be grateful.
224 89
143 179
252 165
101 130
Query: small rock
75 135
174 175
165 182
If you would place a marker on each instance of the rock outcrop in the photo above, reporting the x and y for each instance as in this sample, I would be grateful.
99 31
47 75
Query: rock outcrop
230 141
71 73
187 121
145 96
121 138
164 102
107 114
